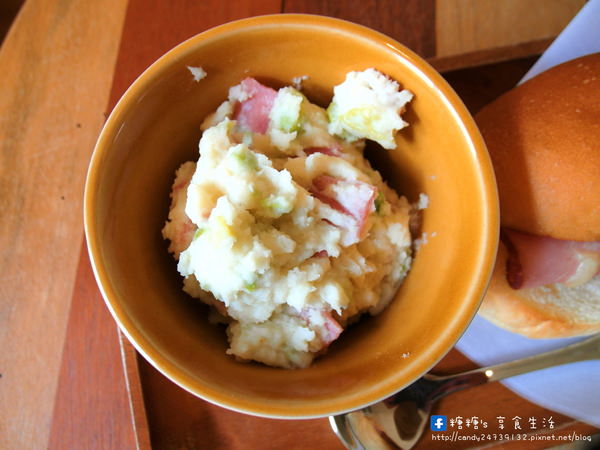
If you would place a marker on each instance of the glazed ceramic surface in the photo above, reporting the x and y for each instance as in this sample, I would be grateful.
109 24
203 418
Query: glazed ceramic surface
156 126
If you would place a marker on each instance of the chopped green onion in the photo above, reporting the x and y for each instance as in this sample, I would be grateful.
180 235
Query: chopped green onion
277 204
245 158
379 202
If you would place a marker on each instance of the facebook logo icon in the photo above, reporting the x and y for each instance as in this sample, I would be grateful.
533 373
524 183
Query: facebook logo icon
438 423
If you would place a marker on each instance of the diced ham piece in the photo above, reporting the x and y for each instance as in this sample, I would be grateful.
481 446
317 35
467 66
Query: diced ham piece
332 328
180 229
183 237
252 114
328 328
330 151
539 260
321 254
352 198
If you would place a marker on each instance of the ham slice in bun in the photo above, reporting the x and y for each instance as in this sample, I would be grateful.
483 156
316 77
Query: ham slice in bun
544 141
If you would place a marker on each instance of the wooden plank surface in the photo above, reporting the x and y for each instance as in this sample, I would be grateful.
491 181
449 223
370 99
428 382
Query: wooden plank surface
8 11
58 62
411 22
468 26
178 420
56 75
476 32
155 26
91 370
135 391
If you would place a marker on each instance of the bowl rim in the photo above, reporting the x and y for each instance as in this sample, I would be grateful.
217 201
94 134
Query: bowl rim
490 209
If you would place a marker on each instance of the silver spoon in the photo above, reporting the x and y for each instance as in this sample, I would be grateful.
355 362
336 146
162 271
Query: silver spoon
399 420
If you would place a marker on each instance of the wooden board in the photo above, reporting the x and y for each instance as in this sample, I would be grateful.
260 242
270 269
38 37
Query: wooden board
58 61
53 93
474 32
92 371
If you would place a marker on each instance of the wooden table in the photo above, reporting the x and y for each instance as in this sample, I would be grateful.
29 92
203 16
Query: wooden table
64 65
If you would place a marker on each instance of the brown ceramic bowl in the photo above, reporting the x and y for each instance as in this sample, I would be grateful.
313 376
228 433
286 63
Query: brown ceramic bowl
155 127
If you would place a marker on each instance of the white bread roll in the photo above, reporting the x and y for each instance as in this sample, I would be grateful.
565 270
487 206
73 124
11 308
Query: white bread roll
551 311
544 141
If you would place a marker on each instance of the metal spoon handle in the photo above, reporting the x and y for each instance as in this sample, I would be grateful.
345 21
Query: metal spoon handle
401 418
579 351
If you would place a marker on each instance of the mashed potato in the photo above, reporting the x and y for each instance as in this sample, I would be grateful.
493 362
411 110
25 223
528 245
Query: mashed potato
282 225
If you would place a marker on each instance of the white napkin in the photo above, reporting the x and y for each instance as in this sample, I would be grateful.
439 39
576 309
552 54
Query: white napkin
573 389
